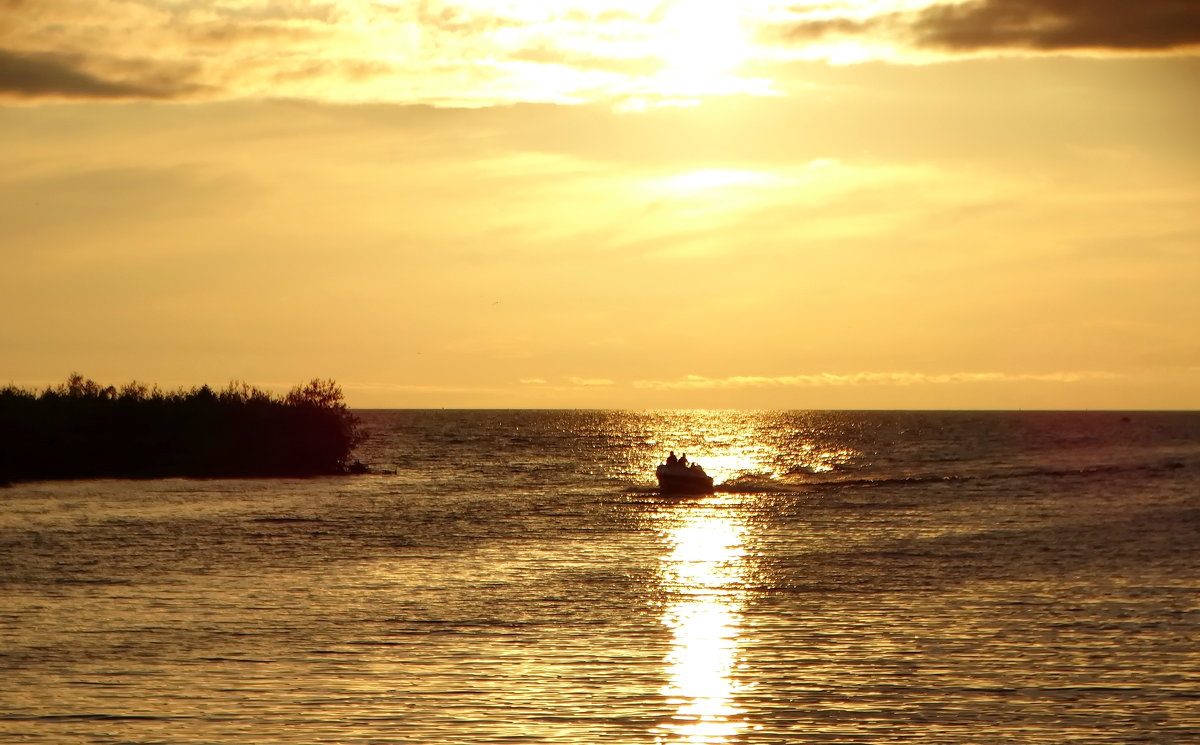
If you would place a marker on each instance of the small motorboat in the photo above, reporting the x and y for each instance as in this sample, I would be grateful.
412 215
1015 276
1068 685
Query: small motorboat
682 478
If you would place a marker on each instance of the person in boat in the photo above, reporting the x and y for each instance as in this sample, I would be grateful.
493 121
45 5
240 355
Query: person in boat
683 460
671 459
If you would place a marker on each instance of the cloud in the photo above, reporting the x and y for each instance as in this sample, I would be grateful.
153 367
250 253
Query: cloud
996 25
473 53
545 52
460 19
441 52
697 382
52 76
378 387
1052 25
590 382
233 34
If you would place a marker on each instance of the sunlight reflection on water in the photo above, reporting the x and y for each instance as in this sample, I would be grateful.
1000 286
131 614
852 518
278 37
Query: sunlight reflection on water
993 579
733 446
702 577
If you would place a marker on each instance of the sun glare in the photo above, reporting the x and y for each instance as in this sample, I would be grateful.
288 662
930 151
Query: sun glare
702 41
717 190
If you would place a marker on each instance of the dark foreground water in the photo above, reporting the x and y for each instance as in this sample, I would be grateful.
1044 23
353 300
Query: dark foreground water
862 578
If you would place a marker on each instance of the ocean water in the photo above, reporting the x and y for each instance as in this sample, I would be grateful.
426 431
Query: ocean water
515 578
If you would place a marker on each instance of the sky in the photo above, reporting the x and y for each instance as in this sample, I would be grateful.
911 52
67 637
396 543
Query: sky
864 204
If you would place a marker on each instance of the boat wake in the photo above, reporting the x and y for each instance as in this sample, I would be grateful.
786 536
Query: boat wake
796 484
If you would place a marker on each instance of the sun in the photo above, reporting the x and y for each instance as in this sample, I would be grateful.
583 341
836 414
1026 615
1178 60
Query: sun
700 40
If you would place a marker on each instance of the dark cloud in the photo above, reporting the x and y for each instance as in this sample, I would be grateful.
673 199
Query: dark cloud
812 29
32 75
1035 25
1135 25
45 75
230 33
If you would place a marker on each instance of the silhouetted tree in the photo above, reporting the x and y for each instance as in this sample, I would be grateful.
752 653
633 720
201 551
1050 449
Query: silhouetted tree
82 429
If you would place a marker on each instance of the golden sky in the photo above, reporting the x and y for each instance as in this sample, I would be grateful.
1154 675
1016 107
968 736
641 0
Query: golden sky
608 203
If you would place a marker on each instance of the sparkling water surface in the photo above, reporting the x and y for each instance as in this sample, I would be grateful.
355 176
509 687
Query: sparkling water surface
515 578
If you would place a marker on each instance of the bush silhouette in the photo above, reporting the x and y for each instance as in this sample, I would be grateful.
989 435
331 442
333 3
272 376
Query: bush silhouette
81 429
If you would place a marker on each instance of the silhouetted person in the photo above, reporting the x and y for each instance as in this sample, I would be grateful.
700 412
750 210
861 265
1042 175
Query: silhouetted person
671 459
683 460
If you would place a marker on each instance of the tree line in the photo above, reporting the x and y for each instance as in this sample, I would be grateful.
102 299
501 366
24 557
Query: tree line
82 429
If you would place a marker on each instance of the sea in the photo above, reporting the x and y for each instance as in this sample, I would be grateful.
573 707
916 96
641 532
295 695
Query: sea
515 577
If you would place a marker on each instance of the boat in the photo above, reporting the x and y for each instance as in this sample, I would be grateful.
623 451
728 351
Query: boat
680 477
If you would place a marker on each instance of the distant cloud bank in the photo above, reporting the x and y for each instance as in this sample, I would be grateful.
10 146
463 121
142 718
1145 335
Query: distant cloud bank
695 382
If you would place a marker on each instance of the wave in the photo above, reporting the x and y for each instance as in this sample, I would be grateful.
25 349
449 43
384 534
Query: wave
89 718
846 480
765 485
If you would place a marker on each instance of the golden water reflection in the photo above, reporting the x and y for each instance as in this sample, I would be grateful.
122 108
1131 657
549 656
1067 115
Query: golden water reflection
739 449
702 579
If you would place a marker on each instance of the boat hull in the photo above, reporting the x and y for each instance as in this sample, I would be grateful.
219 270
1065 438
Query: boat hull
682 481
